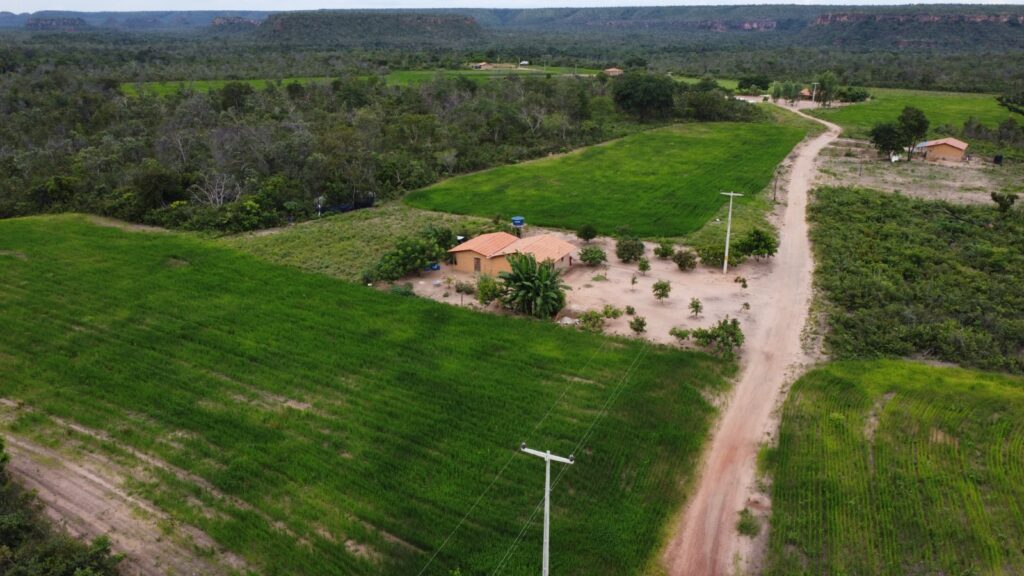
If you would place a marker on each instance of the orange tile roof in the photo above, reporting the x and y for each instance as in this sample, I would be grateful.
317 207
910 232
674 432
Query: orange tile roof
543 247
489 245
958 144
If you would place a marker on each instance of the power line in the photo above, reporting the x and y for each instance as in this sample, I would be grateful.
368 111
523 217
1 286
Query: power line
497 476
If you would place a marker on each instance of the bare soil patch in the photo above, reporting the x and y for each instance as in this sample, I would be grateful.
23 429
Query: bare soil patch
121 224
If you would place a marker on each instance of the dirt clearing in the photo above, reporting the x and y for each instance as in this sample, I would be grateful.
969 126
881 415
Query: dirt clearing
706 541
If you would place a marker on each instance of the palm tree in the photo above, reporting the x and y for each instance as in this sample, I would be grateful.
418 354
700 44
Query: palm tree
533 288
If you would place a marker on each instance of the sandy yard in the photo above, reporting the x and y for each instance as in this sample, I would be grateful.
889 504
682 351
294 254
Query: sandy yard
849 162
591 288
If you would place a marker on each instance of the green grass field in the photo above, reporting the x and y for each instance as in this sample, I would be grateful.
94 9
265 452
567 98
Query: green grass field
396 78
950 108
330 416
346 245
897 468
663 182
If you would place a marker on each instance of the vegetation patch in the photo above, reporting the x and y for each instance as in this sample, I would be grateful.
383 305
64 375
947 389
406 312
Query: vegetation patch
405 410
942 108
893 467
660 182
905 276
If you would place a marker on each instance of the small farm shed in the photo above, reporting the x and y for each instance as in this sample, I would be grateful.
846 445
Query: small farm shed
487 253
613 72
806 94
949 149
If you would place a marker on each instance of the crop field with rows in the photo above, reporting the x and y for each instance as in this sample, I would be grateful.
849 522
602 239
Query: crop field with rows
327 428
894 468
664 182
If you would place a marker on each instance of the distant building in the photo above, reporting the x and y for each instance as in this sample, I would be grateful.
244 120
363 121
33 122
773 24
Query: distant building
806 94
613 72
488 253
948 149
524 63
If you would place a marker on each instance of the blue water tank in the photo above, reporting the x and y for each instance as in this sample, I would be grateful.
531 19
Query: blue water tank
518 221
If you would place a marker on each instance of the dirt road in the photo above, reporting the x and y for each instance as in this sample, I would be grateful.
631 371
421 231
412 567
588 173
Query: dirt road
706 541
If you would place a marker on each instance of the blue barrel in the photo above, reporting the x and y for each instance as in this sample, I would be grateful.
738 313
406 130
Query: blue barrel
518 221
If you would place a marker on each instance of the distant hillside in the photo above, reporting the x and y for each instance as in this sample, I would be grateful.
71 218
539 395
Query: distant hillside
369 28
141 21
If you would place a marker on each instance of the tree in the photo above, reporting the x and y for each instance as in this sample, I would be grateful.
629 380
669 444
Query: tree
645 96
235 95
644 265
629 249
685 260
696 307
1004 200
533 288
593 256
587 232
776 91
759 243
665 249
887 138
827 85
638 324
1012 101
409 255
632 282
661 289
913 126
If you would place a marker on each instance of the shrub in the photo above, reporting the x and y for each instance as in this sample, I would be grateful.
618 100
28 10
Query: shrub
713 254
661 289
685 259
404 289
638 324
593 255
487 289
696 307
629 249
591 321
644 265
587 232
611 311
665 249
409 255
723 338
462 287
742 281
759 243
630 310
748 524
680 334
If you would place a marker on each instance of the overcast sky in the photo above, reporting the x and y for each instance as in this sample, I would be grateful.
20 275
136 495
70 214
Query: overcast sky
131 5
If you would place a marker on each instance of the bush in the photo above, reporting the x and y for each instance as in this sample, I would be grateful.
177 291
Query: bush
611 311
591 321
593 255
638 324
630 311
462 287
696 307
713 254
685 259
643 265
723 338
759 243
680 334
404 289
409 255
665 250
629 249
587 232
748 524
487 289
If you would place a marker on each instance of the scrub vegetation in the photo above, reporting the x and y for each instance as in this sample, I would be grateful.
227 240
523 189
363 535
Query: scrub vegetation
894 467
337 429
906 277
663 182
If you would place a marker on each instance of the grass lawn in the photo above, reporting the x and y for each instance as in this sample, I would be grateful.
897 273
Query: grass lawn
346 245
893 468
663 182
334 419
950 108
397 78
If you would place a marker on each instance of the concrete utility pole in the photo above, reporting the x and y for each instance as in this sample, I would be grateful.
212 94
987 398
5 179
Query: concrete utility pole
814 92
728 231
548 457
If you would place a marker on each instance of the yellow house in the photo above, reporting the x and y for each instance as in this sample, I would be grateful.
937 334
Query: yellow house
487 253
948 149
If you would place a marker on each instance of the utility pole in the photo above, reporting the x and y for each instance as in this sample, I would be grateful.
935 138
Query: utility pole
548 457
814 92
728 231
